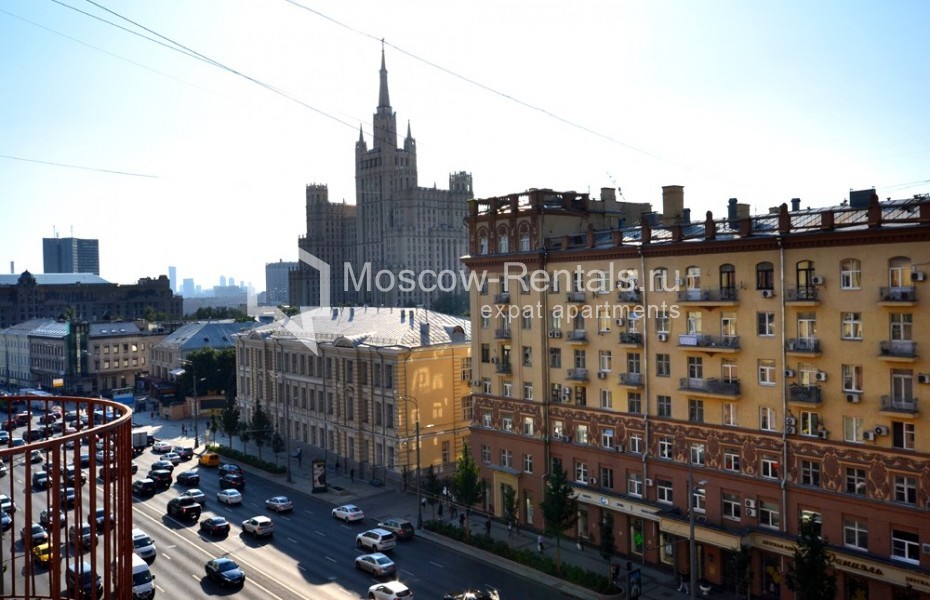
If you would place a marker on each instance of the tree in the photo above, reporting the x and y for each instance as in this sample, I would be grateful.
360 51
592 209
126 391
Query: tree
277 445
261 427
559 507
245 434
509 508
466 483
608 543
229 418
214 426
811 573
432 487
742 571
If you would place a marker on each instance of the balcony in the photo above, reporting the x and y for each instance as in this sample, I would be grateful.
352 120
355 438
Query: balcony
631 380
898 405
502 298
577 335
709 298
803 296
710 387
577 374
710 343
806 346
501 334
898 350
897 296
629 296
631 338
806 394
574 297
504 367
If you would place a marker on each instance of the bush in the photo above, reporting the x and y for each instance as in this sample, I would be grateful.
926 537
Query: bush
252 461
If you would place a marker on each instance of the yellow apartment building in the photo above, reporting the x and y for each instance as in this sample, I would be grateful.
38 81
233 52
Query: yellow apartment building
737 376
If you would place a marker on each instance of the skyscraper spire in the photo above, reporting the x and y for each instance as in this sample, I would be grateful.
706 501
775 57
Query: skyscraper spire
384 100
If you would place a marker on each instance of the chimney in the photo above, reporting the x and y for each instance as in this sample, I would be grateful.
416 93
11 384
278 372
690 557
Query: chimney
673 201
795 204
686 216
860 198
608 194
731 213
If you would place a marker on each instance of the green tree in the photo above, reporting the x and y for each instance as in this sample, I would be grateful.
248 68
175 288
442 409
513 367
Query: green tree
811 574
509 507
466 483
432 488
742 572
277 445
229 418
214 426
559 507
608 543
261 427
245 434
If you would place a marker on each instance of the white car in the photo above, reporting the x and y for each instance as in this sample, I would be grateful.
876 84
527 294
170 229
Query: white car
143 544
160 447
173 457
229 496
260 526
390 590
377 564
196 494
348 513
279 504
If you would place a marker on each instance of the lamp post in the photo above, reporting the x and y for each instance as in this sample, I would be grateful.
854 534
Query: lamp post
287 437
416 433
692 544
196 412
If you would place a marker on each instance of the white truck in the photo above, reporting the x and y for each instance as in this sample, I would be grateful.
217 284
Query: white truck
140 441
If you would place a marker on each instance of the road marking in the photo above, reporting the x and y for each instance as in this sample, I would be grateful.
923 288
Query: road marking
436 564
331 559
292 540
319 533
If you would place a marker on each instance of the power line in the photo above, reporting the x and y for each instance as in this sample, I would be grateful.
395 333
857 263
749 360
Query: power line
57 164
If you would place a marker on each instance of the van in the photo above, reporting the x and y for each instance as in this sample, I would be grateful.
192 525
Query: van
82 582
143 587
210 459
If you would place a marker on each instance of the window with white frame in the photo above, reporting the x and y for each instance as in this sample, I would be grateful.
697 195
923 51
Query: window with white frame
769 515
732 506
581 434
699 500
765 324
766 371
855 534
526 320
524 241
662 321
607 438
507 389
855 481
485 320
809 423
581 359
482 243
905 546
905 489
485 453
851 326
604 360
728 324
529 427
693 323
728 370
527 390
731 460
769 467
663 365
507 422
607 399
852 429
555 320
901 326
730 416
664 491
768 418
486 418
810 473
635 443
634 362
850 274
903 435
503 242
581 471
528 463
666 447
696 453
558 429
660 280
506 458
852 378
486 385
634 484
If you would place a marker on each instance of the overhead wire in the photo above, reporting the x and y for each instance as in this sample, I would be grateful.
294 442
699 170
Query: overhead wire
58 164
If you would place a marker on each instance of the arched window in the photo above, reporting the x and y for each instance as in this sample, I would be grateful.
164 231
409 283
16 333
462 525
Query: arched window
660 280
483 242
503 240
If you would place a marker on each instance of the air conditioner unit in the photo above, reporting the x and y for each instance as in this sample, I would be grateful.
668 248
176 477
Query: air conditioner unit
789 372
702 519
923 378
750 503
880 430
552 334
602 374
619 322
475 383
663 337
679 281
823 433
817 279
650 483
768 294
868 436
750 512
853 398
592 481
566 392
791 421
494 360
619 448
821 376
918 276
556 334
791 430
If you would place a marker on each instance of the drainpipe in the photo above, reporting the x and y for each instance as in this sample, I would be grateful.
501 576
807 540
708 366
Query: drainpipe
645 371
784 388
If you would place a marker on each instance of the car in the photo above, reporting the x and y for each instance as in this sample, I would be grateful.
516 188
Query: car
186 453
401 528
389 590
348 513
161 477
230 469
164 465
82 582
232 481
6 504
144 488
134 467
36 532
189 478
16 442
105 457
47 519
474 594
4 437
173 457
160 447
39 479
72 476
6 521
85 460
229 496
226 572
102 520
67 497
279 504
35 456
376 540
80 537
215 526
143 544
196 494
376 563
260 526
22 418
43 553
184 507
209 459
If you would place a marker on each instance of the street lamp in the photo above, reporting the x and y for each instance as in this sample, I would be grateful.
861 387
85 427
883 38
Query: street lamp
692 545
416 432
196 410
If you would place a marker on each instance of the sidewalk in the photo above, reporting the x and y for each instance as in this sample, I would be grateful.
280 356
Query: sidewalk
382 502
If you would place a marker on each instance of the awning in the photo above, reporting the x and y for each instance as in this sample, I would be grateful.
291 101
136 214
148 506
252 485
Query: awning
177 372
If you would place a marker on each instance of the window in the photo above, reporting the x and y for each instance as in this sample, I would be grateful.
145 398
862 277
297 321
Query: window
905 546
485 353
663 365
852 378
769 515
527 390
524 241
732 508
486 385
813 518
695 410
730 414
526 320
765 276
558 429
485 453
581 472
607 438
604 360
810 423
634 484
482 243
580 359
556 320
905 489
766 371
851 326
855 534
507 422
697 454
731 459
696 368
699 500
666 445
769 468
664 491
506 458
903 435
850 274
855 481
693 323
852 429
581 434
507 389
527 463
660 280
634 403
607 399
728 325
607 478
635 442
527 352
633 362
767 418
503 242
662 321
555 357
664 406
528 426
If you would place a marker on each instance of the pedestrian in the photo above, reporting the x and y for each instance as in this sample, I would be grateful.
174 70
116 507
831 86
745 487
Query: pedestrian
352 475
423 503
453 509
487 527
509 528
300 456
615 574
683 583
440 510
540 544
462 521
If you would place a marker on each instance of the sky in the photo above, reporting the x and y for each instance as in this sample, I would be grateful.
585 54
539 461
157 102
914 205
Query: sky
171 160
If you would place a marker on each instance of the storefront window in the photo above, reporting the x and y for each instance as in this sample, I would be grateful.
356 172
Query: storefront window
636 536
856 589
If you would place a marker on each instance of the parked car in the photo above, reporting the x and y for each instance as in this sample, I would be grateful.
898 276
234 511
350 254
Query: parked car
390 590
196 494
279 504
209 459
143 544
226 572
144 488
215 526
377 564
401 528
260 526
232 481
189 478
348 513
376 540
229 496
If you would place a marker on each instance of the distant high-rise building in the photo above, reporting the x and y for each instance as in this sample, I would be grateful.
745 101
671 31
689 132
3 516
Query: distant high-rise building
71 255
222 281
276 282
187 287
173 279
394 226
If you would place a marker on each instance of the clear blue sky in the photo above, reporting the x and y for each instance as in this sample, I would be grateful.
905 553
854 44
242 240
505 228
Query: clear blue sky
762 101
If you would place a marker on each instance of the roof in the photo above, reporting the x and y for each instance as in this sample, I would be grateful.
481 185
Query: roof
52 329
57 279
26 327
370 326
205 334
113 329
